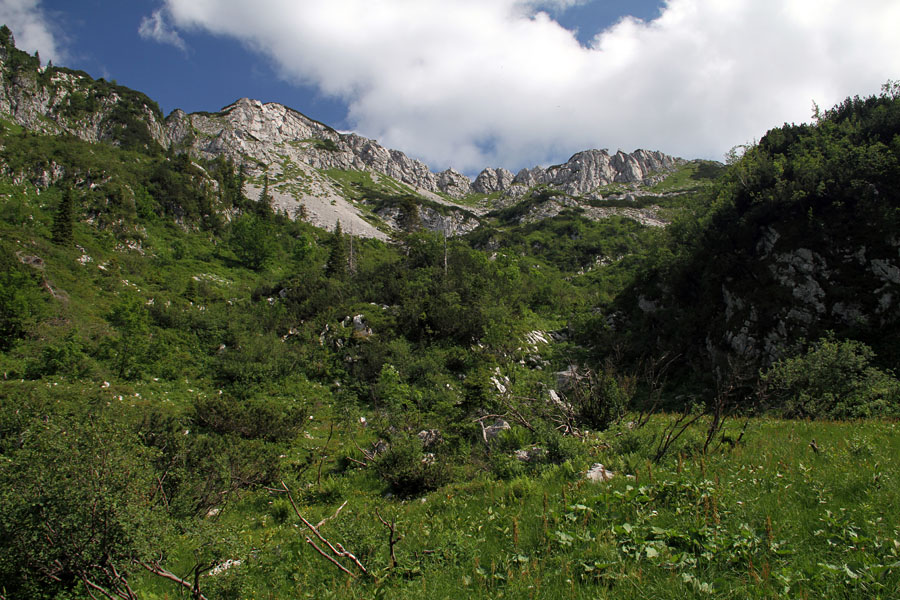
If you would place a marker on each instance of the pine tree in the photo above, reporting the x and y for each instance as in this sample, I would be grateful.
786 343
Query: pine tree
337 259
63 219
264 206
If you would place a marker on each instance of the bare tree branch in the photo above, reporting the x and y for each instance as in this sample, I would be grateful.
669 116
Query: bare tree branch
336 513
156 569
333 561
336 549
393 538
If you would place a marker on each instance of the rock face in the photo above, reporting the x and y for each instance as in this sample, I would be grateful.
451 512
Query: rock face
270 132
586 171
492 180
274 134
54 103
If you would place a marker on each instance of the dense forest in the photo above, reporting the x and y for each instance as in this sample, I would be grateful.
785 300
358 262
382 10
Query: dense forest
203 397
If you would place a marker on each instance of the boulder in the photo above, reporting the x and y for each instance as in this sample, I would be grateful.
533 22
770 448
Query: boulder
429 438
492 431
598 473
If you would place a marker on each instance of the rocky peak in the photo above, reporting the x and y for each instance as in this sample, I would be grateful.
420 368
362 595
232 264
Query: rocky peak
492 180
586 171
296 155
454 184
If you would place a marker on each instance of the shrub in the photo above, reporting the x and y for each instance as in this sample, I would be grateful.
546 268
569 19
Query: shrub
408 472
833 379
601 399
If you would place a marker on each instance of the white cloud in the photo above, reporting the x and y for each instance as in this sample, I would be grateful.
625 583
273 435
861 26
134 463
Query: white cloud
473 83
157 29
31 28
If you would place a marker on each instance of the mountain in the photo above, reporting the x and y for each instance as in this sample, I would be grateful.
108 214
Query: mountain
306 166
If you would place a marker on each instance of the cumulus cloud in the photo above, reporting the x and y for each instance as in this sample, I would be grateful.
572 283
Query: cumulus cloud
157 29
474 83
31 28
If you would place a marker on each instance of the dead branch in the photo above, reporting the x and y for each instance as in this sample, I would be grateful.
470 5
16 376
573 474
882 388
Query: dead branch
516 415
369 456
336 549
480 421
333 561
123 593
336 513
324 456
156 569
393 538
655 377
672 432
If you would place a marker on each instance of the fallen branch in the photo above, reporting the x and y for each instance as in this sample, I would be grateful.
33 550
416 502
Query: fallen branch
156 569
336 513
336 549
333 561
324 456
369 456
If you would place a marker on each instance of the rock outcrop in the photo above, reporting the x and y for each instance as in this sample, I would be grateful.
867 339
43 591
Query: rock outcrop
587 171
62 101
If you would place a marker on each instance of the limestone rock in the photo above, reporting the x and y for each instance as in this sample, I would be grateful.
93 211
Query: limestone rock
598 473
429 438
492 431
491 180
586 171
454 184
532 454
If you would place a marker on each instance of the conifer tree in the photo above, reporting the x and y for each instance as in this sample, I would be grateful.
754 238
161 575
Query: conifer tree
264 206
337 259
63 219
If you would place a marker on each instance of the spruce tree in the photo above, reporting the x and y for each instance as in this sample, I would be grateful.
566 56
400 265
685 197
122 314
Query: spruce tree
337 259
63 219
264 206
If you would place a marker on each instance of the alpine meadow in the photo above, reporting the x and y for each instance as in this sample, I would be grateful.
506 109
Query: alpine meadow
246 355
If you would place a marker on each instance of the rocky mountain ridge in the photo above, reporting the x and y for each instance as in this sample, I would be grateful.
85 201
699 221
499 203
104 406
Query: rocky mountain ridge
300 159
270 131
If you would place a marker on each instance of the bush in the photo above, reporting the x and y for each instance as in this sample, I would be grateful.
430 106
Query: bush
834 380
408 472
601 400
256 418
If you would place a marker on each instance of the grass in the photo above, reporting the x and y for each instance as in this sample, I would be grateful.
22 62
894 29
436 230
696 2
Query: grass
690 176
769 518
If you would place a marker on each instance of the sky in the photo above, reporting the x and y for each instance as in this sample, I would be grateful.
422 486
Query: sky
477 83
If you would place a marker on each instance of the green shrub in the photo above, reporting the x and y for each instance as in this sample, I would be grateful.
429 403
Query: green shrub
833 379
408 472
601 400
506 467
255 418
65 357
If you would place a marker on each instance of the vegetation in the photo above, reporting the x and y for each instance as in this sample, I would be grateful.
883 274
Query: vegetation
202 397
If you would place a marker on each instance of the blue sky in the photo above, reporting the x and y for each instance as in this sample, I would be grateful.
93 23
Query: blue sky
476 83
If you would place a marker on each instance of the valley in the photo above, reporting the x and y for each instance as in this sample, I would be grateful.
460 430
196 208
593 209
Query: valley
245 355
